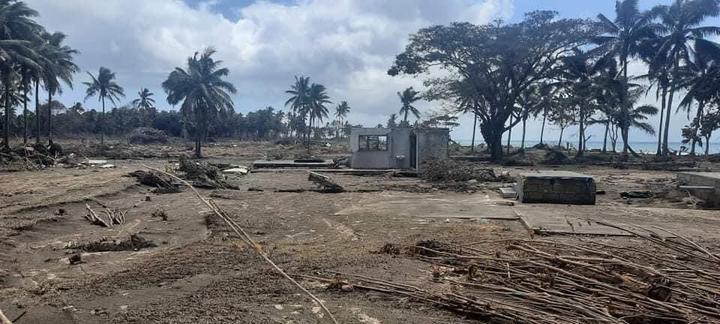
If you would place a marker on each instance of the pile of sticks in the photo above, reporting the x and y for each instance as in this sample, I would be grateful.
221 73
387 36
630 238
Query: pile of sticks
538 281
111 217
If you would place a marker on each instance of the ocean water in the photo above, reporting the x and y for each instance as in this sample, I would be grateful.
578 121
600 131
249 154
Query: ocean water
644 147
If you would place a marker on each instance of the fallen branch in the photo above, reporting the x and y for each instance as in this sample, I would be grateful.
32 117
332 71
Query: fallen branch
3 319
247 239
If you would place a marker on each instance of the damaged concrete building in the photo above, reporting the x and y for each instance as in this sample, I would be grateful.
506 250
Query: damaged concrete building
397 148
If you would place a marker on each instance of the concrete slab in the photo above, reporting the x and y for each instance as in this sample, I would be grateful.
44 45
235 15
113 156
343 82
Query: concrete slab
477 206
545 221
556 187
292 164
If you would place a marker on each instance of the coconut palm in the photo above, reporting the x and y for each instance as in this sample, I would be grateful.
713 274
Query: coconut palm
201 88
623 37
58 68
681 30
407 98
634 117
104 87
17 30
144 100
317 100
341 111
298 101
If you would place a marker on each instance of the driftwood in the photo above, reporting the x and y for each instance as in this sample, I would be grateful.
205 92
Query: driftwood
325 182
112 217
248 240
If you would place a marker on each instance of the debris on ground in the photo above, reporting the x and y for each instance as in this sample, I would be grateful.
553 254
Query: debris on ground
111 217
444 170
147 135
203 175
160 182
326 183
133 242
539 281
160 213
636 194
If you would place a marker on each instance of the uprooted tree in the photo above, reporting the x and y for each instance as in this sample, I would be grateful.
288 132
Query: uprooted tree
499 61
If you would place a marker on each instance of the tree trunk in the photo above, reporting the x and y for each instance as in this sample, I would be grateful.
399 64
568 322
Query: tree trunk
562 130
37 111
524 129
102 122
199 131
6 133
49 132
698 117
509 135
625 132
25 110
607 130
542 128
472 143
660 126
668 108
581 133
492 134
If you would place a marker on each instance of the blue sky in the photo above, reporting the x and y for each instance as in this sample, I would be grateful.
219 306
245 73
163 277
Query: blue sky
345 44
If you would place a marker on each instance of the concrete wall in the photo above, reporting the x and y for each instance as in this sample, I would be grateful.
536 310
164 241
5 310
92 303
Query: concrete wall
432 143
397 155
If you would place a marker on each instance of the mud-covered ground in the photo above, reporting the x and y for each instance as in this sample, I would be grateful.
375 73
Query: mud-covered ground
197 271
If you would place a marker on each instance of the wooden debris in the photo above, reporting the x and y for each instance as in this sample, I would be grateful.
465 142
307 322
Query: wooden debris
325 182
112 217
543 281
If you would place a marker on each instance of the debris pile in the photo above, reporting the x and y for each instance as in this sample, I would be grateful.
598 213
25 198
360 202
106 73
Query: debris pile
161 182
203 175
111 217
147 135
326 183
132 243
29 157
445 170
541 281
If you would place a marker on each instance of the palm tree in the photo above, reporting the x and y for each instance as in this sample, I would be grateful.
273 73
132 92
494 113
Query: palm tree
298 101
201 89
104 87
341 111
58 67
634 117
681 28
317 99
623 37
407 98
144 99
17 30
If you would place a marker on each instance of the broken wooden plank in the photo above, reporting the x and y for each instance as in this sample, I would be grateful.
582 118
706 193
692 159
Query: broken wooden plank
325 182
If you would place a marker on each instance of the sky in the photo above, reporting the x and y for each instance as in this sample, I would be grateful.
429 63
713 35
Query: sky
347 45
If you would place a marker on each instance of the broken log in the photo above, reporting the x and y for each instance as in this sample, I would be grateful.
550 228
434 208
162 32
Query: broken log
325 182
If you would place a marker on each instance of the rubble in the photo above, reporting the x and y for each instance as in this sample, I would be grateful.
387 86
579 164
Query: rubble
203 175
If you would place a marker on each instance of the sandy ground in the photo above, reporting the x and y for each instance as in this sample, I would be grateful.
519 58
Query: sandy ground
199 272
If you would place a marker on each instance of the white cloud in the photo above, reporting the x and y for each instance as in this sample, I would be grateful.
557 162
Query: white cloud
348 45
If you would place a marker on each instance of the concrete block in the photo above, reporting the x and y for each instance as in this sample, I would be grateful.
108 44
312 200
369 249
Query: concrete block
508 193
702 181
557 187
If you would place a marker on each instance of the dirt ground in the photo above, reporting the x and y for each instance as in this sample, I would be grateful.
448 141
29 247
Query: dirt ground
197 271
